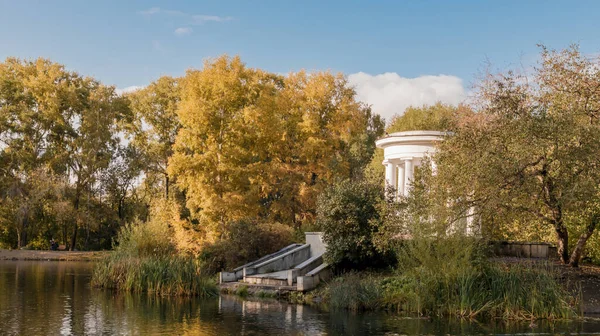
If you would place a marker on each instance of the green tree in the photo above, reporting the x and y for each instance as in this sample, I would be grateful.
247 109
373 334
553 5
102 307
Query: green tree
531 151
350 218
56 122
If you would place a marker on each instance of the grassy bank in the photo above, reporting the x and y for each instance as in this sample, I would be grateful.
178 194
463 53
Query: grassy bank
510 292
145 261
162 275
53 255
451 276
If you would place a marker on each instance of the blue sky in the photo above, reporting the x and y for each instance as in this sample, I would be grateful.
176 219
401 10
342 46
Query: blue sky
130 43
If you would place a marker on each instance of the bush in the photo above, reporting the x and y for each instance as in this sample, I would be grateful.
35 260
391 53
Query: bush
246 240
348 216
145 239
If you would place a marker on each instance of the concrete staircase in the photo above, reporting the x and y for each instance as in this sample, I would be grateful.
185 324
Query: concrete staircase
297 265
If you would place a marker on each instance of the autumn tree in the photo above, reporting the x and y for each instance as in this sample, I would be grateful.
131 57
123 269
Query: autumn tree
35 103
155 126
531 151
259 145
57 122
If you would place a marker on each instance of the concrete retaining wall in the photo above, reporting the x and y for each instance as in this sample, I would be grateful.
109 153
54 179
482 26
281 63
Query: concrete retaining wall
522 249
315 240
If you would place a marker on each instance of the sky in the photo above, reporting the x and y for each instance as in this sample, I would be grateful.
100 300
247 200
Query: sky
395 53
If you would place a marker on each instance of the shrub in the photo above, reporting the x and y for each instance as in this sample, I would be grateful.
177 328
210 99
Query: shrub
348 216
246 240
497 291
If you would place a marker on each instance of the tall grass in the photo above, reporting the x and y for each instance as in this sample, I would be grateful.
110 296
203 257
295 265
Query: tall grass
145 260
451 277
497 291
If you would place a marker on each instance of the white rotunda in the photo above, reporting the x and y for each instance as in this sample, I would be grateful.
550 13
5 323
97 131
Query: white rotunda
402 152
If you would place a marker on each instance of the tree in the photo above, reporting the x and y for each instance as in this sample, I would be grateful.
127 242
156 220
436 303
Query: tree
531 152
91 139
258 145
56 122
35 106
437 117
156 125
349 216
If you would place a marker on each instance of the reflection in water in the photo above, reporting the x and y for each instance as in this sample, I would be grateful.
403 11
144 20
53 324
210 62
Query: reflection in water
50 298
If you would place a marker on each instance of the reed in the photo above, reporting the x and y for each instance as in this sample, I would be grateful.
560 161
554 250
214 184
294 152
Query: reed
142 261
452 277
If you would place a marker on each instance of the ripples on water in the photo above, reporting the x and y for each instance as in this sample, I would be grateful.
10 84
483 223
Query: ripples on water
55 298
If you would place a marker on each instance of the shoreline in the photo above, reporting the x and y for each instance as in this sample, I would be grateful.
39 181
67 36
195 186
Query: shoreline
46 255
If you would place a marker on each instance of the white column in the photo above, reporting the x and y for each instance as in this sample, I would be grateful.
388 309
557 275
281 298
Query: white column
408 175
391 173
388 172
400 180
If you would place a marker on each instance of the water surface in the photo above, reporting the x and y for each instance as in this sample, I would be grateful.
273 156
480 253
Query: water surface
55 298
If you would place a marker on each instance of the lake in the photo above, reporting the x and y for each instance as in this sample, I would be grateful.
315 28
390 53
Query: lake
55 298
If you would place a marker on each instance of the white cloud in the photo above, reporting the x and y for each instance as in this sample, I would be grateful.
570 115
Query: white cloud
183 31
212 18
391 94
128 89
150 11
189 18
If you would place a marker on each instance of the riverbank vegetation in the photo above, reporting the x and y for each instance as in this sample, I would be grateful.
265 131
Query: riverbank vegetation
418 265
192 175
145 259
511 292
454 278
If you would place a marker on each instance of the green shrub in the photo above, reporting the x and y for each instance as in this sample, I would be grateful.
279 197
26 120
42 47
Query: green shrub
142 239
348 216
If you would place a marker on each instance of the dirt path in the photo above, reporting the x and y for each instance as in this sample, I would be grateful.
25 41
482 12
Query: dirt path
51 255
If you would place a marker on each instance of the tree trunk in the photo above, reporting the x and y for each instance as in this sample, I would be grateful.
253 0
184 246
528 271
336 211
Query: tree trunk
73 236
76 222
120 208
166 187
562 238
19 239
22 231
581 242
